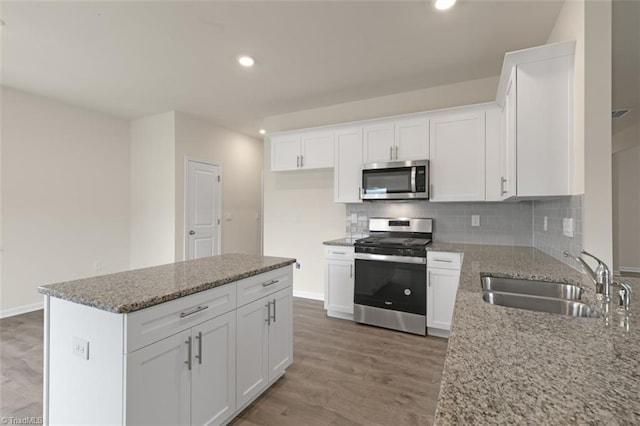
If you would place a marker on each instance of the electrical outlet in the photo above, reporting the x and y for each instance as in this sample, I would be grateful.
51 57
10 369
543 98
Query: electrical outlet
297 265
545 223
98 265
475 220
567 227
80 347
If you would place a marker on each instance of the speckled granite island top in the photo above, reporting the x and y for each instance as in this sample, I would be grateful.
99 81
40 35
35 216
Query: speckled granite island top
512 366
130 291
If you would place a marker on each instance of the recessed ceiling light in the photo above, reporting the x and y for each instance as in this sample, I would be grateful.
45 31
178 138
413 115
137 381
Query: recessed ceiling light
246 61
262 131
444 4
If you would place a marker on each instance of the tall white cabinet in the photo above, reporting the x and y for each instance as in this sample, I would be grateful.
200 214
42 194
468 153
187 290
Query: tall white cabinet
535 94
347 177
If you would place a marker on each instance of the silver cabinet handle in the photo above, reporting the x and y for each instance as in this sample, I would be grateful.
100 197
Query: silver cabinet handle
268 306
396 152
359 193
390 153
351 271
199 356
268 283
302 161
188 361
298 161
274 310
503 180
194 311
192 232
442 260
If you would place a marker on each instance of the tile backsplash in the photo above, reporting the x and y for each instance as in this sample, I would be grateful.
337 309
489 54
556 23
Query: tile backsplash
552 241
500 223
507 223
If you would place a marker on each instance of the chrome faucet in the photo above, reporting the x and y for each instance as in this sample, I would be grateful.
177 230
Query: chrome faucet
601 277
624 294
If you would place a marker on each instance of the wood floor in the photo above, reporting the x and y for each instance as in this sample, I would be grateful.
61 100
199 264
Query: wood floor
343 374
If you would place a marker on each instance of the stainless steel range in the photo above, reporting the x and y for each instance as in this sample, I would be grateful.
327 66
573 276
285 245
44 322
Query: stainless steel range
391 274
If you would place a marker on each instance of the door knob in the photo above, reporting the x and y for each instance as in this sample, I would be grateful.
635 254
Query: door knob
192 232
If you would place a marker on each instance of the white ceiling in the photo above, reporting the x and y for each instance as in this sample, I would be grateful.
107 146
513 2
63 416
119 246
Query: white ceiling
132 59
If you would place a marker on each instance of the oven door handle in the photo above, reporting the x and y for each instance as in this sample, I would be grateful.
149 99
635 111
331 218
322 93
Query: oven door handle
390 258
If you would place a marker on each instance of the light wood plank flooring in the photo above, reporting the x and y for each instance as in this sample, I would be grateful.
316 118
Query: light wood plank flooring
343 374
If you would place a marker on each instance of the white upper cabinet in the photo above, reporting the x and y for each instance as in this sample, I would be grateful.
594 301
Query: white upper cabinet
493 154
412 139
536 96
457 163
301 151
348 166
399 140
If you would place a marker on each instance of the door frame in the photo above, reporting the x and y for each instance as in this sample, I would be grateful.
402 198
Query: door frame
185 205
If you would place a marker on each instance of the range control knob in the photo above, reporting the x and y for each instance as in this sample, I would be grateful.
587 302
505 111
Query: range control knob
407 292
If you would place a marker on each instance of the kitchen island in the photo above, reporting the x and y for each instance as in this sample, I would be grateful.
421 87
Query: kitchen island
513 366
193 342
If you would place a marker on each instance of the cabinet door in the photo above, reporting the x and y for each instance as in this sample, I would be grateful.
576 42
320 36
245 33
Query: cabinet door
457 157
442 286
493 154
339 286
543 131
285 153
412 139
379 143
159 383
316 150
252 351
348 166
280 332
508 182
213 383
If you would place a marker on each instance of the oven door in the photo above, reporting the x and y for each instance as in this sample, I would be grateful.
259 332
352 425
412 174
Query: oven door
391 282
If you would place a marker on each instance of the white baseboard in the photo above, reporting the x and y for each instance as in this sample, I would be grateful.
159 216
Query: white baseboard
629 269
21 310
308 295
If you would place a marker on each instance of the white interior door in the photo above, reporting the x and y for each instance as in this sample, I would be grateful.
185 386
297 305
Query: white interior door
202 212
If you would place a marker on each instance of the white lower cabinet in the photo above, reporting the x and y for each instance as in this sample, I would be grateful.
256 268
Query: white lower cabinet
201 388
443 275
196 360
339 281
265 343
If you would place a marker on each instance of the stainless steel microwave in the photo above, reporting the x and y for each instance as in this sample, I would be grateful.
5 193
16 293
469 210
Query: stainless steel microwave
399 180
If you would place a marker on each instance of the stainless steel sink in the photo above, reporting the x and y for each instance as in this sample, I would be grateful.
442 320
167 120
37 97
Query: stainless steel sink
532 288
540 304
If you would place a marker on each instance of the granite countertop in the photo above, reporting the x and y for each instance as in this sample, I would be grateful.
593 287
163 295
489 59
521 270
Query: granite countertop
130 291
512 366
347 242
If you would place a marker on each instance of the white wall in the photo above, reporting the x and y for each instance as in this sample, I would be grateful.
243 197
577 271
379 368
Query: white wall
152 190
65 195
241 160
589 23
299 212
626 203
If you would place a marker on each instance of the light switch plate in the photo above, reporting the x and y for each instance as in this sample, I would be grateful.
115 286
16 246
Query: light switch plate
567 227
475 220
354 218
80 347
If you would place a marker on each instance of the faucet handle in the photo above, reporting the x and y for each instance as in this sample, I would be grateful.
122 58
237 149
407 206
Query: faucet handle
624 294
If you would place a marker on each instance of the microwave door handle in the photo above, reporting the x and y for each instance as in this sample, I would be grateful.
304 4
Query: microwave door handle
413 179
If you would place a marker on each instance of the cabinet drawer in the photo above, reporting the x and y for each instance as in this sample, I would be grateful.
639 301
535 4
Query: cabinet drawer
157 322
338 252
254 288
445 260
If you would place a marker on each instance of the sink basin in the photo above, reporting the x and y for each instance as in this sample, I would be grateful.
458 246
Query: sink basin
540 304
532 288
